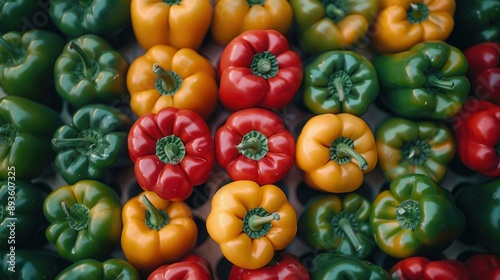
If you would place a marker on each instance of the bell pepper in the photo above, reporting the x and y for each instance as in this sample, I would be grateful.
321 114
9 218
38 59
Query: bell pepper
168 77
284 266
256 221
27 64
333 266
258 69
191 267
332 24
338 224
479 203
402 24
484 70
26 128
90 71
156 231
427 81
335 151
22 223
423 268
231 18
172 152
76 18
110 269
254 144
29 264
177 23
85 220
339 82
18 15
415 217
93 143
483 266
414 147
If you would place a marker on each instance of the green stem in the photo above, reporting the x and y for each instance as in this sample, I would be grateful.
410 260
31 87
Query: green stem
7 134
256 222
344 150
417 13
254 145
265 65
408 214
88 69
339 84
155 217
72 142
170 149
168 82
434 81
77 215
334 12
345 226
8 48
255 2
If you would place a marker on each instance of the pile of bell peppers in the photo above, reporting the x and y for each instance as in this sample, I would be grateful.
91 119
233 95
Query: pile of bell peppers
332 93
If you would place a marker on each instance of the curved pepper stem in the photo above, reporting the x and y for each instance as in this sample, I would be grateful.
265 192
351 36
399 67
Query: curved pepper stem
254 145
167 82
256 222
342 150
77 215
8 48
345 226
155 219
434 81
90 68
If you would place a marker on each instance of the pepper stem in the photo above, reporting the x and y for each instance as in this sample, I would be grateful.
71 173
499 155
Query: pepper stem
77 215
72 142
8 48
255 2
345 226
256 222
417 13
7 134
254 145
339 86
168 81
155 219
344 150
334 12
434 81
88 69
170 149
408 214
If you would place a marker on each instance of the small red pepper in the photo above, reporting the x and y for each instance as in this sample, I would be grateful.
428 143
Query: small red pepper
285 266
423 268
192 267
172 152
484 266
484 70
254 144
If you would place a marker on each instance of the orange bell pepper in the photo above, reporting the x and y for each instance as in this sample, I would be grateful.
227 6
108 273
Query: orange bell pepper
167 77
178 23
401 24
156 231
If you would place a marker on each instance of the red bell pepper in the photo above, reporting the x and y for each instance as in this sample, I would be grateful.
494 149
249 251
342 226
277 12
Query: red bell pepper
484 266
258 69
484 70
285 267
192 267
477 135
172 152
254 144
425 269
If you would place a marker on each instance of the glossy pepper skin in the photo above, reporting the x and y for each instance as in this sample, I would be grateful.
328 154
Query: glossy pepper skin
339 82
479 203
26 129
90 71
101 17
423 268
427 81
332 25
231 18
85 220
284 266
411 22
172 152
333 266
168 77
414 147
162 231
94 142
338 224
483 266
484 70
31 264
17 15
257 221
177 23
254 144
27 63
109 269
258 69
335 151
415 216
191 267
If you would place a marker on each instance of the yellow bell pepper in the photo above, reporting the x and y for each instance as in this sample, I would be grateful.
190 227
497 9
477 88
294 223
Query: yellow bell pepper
156 231
402 24
250 222
335 151
233 17
167 77
178 23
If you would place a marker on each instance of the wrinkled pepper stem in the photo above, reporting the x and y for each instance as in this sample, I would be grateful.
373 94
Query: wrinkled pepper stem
90 68
342 150
341 83
257 222
254 145
416 152
265 65
155 219
77 215
417 13
170 149
345 226
167 82
8 48
408 214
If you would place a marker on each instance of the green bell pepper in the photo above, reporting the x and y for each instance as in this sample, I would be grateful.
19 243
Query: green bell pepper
338 224
110 269
30 264
22 15
333 266
22 223
90 71
339 82
26 128
94 143
415 216
27 64
426 81
414 147
480 203
84 220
